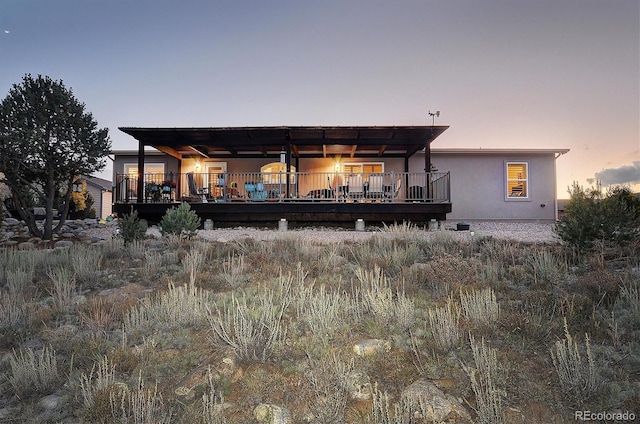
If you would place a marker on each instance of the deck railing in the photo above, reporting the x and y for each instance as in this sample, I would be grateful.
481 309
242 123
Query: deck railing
279 187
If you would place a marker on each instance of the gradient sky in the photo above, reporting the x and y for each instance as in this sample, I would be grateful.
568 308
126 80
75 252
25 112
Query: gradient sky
503 73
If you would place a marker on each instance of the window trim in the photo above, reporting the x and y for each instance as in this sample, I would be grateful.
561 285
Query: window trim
526 180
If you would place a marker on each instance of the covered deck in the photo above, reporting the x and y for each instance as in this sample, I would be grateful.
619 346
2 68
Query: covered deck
338 194
303 197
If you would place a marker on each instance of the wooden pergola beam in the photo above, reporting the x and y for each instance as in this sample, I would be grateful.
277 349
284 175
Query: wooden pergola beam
169 151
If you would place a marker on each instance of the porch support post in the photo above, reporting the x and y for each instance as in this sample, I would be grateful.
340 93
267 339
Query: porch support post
288 161
140 171
427 170
406 177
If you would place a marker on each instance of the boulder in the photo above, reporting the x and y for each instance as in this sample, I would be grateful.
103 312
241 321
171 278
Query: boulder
267 413
370 346
432 403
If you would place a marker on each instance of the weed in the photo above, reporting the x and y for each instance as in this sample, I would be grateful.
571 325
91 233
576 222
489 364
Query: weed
253 329
85 261
578 377
64 289
444 324
233 270
152 263
212 403
485 383
33 373
100 378
480 307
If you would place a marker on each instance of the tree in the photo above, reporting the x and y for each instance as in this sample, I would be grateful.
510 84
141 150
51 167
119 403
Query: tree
590 218
47 141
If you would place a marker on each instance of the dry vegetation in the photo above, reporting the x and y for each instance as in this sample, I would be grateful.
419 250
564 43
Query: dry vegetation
174 330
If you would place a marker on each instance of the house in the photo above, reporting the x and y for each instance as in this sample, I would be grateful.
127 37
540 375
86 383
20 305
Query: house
102 192
327 174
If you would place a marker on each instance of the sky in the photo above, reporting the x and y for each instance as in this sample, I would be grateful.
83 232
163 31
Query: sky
558 74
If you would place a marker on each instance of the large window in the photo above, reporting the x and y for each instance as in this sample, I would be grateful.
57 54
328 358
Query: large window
517 184
152 171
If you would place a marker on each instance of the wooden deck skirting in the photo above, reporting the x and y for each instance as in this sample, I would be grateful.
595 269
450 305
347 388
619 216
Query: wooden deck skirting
318 212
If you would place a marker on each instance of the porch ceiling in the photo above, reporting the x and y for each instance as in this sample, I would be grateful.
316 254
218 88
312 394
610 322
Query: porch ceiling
308 142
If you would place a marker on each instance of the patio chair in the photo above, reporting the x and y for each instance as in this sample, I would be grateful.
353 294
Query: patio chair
376 189
195 194
395 190
356 187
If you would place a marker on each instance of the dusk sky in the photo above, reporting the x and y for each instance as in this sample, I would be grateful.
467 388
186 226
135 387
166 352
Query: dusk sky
503 73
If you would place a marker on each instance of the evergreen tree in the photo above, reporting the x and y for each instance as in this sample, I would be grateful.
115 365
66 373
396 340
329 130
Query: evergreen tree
47 140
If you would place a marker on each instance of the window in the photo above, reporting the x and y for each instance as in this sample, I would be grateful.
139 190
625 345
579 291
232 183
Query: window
363 168
152 171
517 186
274 173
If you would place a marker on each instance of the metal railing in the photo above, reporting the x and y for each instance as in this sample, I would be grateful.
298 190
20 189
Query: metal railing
280 187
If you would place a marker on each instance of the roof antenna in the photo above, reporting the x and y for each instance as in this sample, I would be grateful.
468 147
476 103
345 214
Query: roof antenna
433 116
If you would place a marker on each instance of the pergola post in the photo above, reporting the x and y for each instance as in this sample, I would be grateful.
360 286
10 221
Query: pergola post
427 170
140 172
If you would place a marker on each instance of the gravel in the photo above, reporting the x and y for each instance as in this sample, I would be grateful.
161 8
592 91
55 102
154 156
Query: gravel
528 232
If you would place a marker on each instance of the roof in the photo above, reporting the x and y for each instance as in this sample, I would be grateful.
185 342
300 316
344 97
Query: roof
98 182
493 151
229 142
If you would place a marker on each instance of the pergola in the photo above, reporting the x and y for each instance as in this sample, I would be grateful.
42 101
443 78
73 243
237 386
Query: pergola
293 142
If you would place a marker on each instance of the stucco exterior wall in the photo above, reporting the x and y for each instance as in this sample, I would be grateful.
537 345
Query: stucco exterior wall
478 185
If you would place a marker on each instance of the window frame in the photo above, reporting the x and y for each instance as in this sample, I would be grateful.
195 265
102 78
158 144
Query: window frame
508 182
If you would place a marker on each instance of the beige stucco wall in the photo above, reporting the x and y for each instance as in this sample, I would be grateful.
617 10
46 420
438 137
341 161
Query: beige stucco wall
478 185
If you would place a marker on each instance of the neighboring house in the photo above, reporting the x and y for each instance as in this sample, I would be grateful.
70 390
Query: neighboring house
102 192
335 174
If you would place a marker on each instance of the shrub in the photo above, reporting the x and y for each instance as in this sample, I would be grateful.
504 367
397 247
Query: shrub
578 376
444 323
33 373
589 217
132 228
180 221
485 380
480 307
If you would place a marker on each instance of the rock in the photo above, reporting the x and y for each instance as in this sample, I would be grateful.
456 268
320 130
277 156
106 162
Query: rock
26 245
11 221
358 385
370 346
432 403
63 244
50 402
272 414
67 235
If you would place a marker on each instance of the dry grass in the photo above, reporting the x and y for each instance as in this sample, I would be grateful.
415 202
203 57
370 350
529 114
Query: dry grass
246 322
33 372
